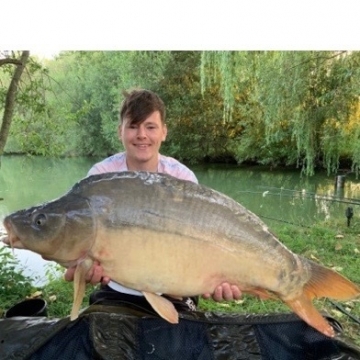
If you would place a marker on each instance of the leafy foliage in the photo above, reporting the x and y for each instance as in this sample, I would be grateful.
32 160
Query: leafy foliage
59 293
32 132
89 86
277 108
14 285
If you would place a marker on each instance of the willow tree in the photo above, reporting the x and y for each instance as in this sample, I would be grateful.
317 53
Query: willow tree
191 118
303 101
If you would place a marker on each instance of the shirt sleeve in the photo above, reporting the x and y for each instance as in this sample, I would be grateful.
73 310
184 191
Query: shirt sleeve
188 175
96 169
173 167
111 164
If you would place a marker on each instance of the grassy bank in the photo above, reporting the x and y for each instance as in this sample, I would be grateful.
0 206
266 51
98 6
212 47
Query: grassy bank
332 244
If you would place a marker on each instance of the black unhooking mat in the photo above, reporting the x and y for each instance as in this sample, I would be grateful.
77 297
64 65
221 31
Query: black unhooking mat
104 333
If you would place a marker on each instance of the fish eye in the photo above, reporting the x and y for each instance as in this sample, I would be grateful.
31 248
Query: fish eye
40 219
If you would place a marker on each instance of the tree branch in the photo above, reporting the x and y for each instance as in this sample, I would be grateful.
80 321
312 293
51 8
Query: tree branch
10 61
336 54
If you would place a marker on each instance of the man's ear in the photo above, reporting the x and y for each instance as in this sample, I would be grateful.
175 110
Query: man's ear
164 132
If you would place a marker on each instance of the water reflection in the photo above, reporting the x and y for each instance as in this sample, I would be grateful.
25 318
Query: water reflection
284 196
26 181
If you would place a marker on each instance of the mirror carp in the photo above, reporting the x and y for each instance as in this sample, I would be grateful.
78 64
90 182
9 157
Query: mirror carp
161 235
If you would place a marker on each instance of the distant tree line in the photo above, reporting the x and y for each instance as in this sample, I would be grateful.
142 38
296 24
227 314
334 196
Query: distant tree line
277 108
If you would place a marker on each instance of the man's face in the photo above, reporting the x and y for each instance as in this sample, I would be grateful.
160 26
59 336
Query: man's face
142 141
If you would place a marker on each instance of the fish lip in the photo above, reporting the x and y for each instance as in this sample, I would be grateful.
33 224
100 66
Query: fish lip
12 239
14 242
6 240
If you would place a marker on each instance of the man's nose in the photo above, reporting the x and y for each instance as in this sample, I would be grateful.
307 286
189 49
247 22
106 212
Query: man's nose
141 133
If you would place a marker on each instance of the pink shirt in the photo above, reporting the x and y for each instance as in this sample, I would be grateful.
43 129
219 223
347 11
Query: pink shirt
166 165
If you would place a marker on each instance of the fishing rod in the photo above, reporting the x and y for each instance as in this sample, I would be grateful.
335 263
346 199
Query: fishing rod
348 213
263 193
344 311
308 193
301 191
284 221
325 198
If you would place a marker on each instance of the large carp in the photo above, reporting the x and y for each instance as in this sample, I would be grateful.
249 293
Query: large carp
158 234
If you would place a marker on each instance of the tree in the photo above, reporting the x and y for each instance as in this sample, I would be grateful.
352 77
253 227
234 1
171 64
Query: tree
303 102
89 90
10 98
192 118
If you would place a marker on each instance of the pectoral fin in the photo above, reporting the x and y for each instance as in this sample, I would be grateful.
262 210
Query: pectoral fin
79 287
163 307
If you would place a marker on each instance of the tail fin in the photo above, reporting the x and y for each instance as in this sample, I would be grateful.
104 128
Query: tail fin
325 282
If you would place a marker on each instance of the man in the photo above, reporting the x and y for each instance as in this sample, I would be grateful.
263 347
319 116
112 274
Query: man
142 129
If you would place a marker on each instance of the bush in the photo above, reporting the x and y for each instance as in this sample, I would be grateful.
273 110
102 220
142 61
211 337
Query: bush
14 285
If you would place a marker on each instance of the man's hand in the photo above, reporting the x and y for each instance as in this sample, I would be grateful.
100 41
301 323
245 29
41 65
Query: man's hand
226 292
94 275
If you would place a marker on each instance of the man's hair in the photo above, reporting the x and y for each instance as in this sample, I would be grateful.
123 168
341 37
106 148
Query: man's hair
139 104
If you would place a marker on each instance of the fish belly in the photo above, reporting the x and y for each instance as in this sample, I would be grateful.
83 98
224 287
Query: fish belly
159 262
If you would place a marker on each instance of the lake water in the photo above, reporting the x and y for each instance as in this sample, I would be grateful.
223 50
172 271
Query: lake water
276 196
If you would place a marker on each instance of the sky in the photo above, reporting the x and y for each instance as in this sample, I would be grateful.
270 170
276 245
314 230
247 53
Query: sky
180 25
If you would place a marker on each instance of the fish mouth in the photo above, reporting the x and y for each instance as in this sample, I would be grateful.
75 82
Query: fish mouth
12 239
13 242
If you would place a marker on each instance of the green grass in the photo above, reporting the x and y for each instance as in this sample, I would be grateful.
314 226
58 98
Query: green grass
14 285
59 295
